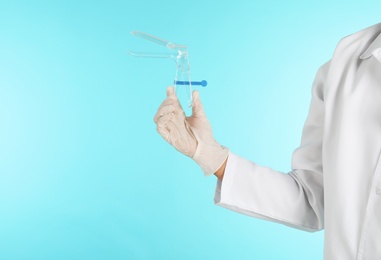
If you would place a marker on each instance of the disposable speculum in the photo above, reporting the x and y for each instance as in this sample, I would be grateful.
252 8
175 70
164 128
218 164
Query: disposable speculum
182 83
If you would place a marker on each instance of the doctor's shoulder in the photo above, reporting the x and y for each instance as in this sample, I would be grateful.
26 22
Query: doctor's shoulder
354 45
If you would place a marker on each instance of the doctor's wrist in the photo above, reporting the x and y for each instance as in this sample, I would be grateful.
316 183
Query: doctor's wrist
221 171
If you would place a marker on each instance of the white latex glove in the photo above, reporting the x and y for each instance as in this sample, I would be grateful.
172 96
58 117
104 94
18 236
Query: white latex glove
192 135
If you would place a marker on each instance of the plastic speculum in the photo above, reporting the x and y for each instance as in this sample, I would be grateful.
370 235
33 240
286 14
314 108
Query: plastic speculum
182 82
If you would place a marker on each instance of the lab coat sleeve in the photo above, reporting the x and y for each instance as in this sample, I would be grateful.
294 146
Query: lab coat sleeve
294 198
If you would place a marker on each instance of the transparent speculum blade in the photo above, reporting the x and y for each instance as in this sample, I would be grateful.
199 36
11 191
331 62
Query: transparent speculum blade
151 38
157 40
184 91
182 81
151 55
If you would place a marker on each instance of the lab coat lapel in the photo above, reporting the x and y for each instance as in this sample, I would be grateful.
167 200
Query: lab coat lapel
374 49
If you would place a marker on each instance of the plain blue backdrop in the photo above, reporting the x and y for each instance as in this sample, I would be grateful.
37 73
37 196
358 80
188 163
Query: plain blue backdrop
83 173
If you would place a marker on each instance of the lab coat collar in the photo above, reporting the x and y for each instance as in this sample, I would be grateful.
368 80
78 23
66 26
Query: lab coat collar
373 50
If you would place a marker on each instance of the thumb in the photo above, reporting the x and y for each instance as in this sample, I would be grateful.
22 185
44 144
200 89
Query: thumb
197 107
170 91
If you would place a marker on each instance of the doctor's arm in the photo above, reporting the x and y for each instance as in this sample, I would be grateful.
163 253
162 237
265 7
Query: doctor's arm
294 198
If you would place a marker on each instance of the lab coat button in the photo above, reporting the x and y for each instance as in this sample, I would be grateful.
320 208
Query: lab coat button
378 191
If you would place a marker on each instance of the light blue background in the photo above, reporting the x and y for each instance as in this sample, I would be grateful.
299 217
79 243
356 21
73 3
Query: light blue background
83 173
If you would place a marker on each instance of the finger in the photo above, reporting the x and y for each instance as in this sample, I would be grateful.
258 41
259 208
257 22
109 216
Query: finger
164 133
162 126
197 107
170 91
169 106
163 120
167 102
164 110
180 139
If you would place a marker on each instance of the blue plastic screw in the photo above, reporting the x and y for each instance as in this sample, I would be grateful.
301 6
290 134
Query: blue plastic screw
202 83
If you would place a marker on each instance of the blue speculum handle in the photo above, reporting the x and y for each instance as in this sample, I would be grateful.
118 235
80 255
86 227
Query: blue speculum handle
202 83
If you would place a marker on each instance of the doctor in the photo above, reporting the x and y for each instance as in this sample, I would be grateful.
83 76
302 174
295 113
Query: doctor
335 180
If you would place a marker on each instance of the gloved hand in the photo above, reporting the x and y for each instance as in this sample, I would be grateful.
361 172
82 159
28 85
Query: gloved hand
192 135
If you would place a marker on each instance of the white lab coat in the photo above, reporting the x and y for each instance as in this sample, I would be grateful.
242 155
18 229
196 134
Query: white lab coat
335 181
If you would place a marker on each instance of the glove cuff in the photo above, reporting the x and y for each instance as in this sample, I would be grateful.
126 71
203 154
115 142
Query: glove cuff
210 156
